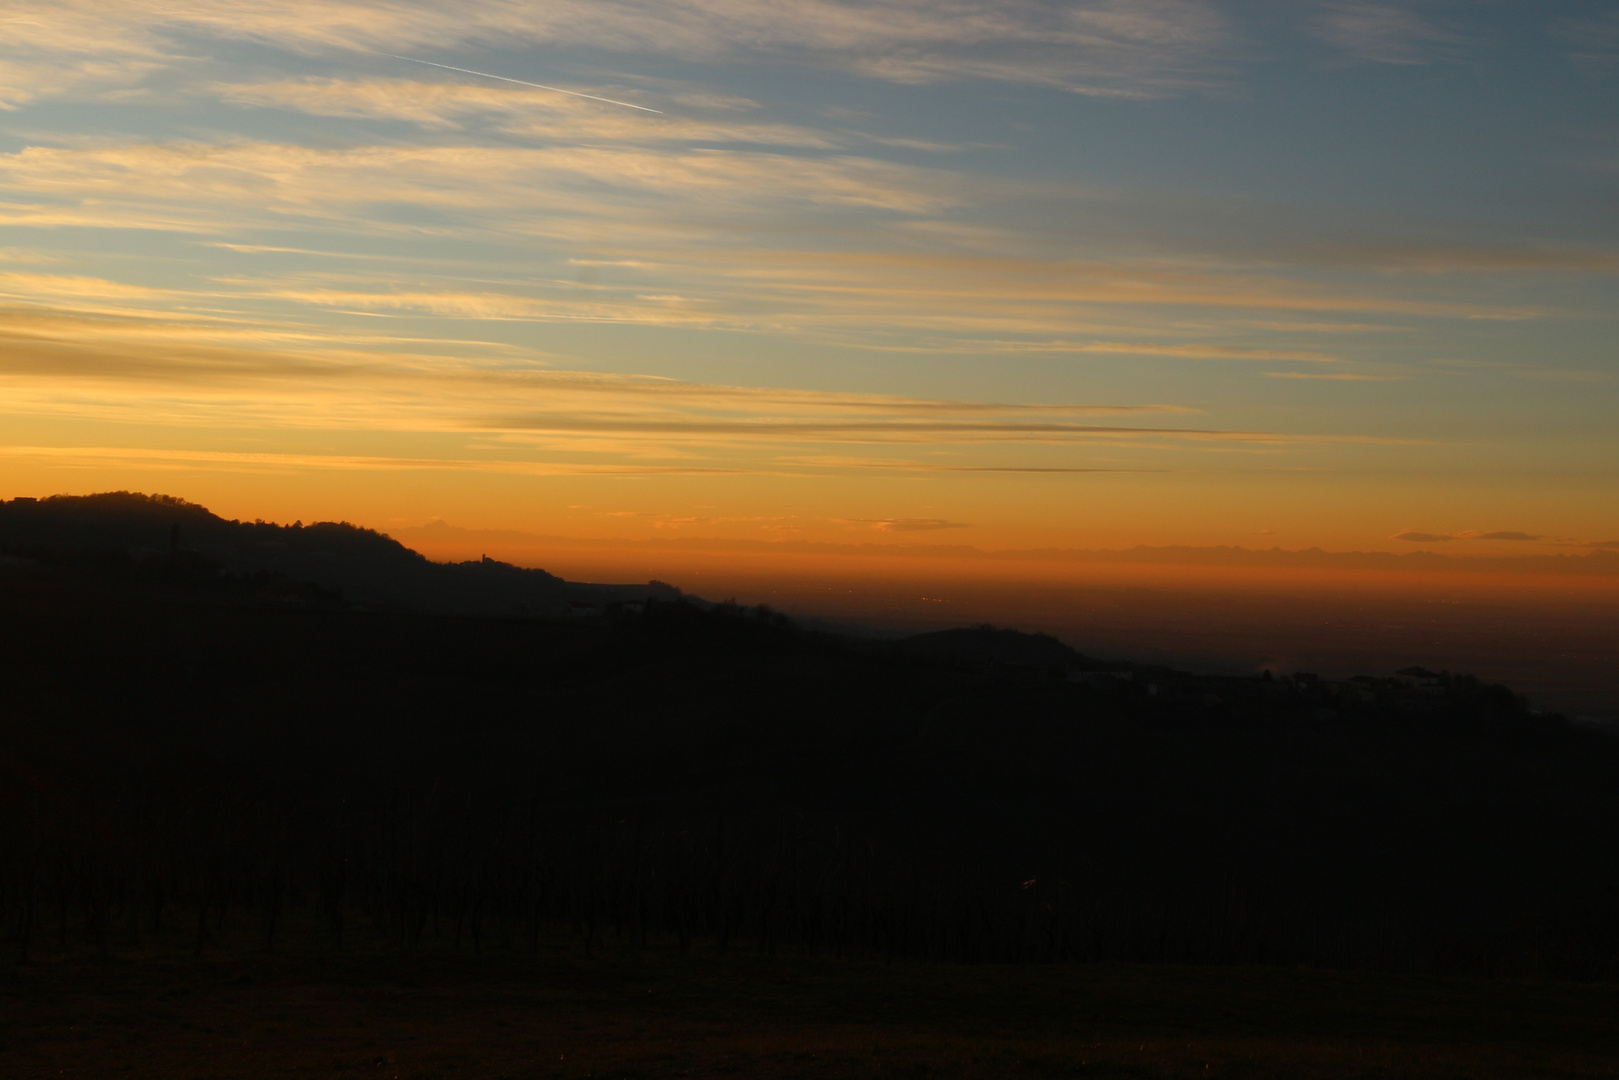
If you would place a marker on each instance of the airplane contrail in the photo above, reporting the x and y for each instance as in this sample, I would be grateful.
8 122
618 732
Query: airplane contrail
522 82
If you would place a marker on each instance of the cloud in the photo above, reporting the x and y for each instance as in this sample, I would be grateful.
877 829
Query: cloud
525 112
1131 48
1415 537
694 238
1477 258
61 286
838 461
897 430
1193 352
863 297
149 458
1031 290
166 371
30 79
1383 33
1031 469
453 201
1592 43
467 412
1334 376
74 49
904 524
272 180
1534 371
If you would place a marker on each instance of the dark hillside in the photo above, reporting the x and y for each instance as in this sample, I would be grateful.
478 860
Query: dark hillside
190 772
983 645
160 539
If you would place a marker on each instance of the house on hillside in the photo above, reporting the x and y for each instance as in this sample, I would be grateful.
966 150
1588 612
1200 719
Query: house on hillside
1097 680
1420 678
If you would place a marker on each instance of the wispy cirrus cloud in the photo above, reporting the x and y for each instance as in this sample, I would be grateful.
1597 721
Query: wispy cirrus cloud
778 430
1591 42
1415 536
126 362
525 112
27 79
1514 536
439 411
695 241
60 286
1132 48
695 245
1442 258
1203 351
75 49
1383 33
1031 290
1333 376
1187 351
894 464
849 300
205 181
264 233
1537 372
150 458
903 524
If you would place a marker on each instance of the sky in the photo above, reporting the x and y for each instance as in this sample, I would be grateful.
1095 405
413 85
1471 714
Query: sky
1005 275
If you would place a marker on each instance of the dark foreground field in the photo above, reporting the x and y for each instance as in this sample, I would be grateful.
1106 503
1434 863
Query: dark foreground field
753 1016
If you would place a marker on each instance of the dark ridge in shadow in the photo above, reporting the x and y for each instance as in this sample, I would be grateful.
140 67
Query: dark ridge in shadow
179 773
163 540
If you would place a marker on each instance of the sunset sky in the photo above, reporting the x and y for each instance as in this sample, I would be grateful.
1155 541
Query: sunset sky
1005 274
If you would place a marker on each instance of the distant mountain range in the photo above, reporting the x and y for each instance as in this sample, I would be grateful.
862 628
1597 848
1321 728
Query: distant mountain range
1582 559
161 539
988 646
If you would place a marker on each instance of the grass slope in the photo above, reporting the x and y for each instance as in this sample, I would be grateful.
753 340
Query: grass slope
752 1016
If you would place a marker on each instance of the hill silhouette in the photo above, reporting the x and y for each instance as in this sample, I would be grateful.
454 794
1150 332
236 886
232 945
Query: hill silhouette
986 645
721 778
408 773
166 540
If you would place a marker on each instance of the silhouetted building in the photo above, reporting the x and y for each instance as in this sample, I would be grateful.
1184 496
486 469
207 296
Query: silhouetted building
1098 680
1420 678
